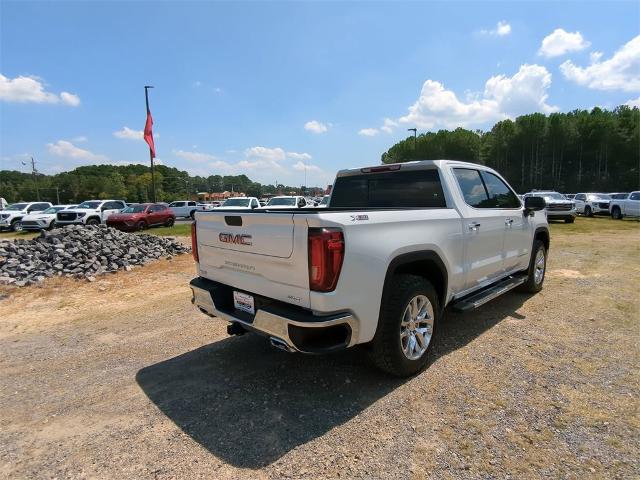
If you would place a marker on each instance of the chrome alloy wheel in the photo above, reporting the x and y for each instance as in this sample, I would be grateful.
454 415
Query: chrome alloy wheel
538 274
416 327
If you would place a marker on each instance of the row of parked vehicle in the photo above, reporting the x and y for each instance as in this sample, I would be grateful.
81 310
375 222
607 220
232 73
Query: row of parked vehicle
118 214
567 206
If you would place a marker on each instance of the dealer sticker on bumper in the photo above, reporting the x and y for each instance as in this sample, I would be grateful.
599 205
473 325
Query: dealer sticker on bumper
243 302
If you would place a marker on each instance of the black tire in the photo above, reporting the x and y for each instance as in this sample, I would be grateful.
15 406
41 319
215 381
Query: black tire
569 220
616 213
52 225
386 348
16 226
141 226
587 211
193 215
93 221
533 285
170 222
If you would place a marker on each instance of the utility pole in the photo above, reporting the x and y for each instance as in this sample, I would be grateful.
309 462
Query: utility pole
58 195
34 173
153 176
415 139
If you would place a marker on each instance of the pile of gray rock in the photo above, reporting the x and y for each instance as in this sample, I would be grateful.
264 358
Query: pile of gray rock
80 252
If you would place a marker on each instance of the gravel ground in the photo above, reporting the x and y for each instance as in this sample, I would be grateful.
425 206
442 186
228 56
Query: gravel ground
121 378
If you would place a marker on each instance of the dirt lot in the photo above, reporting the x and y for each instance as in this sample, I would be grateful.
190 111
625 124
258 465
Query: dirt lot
121 378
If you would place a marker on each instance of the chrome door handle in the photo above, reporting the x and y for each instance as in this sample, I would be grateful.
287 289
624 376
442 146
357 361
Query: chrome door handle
508 222
474 226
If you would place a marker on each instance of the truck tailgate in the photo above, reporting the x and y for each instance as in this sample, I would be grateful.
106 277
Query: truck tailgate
261 253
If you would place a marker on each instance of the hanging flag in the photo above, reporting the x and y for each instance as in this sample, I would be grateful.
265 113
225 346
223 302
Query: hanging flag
148 134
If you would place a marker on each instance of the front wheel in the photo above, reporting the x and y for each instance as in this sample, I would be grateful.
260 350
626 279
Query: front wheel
169 222
193 215
93 222
569 220
16 226
537 269
140 226
406 326
587 211
616 213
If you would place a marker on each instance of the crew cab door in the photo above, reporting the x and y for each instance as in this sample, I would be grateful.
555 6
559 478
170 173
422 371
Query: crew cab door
632 205
505 203
580 201
483 230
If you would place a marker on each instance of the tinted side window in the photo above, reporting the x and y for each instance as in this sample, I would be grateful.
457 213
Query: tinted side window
635 196
409 189
192 204
500 195
40 206
472 187
580 196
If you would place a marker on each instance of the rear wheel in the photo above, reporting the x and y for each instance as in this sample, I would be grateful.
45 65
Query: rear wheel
193 215
93 221
141 225
169 222
406 326
537 269
616 213
569 220
587 211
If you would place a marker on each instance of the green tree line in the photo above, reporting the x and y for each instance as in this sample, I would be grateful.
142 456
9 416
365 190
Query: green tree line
129 182
597 150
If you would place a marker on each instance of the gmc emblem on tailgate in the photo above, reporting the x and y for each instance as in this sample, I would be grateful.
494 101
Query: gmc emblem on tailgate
237 239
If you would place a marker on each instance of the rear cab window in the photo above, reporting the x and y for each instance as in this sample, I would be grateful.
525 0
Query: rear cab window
399 189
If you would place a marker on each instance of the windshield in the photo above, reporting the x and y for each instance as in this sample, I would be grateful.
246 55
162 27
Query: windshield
16 206
53 209
552 196
91 205
325 201
236 202
135 209
282 201
599 196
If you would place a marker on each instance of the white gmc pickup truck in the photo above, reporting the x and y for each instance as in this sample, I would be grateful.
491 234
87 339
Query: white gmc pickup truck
396 245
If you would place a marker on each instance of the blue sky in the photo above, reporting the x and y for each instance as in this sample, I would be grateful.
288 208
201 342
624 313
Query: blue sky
272 89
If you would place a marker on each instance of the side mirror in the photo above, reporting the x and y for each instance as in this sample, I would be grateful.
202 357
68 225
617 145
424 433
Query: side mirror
534 204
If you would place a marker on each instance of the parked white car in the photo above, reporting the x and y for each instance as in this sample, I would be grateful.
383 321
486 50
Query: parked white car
239 203
188 208
590 204
626 207
282 202
3 204
91 212
558 206
43 220
13 214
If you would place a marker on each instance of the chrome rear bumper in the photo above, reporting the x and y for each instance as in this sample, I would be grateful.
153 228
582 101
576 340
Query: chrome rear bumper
299 329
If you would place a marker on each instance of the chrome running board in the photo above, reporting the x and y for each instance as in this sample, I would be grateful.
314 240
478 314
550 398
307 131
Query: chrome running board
478 299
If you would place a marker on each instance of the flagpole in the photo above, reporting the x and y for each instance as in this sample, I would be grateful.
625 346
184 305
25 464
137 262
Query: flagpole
153 176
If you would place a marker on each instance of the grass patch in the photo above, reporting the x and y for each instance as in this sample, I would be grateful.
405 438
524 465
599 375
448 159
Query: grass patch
16 235
595 225
178 230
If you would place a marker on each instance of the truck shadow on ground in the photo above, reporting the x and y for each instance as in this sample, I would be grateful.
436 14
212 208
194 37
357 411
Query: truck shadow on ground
249 404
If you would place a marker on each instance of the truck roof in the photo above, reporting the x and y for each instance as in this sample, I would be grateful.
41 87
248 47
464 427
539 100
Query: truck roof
413 165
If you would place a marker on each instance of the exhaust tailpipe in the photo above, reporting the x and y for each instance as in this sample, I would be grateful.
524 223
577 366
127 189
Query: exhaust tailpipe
280 344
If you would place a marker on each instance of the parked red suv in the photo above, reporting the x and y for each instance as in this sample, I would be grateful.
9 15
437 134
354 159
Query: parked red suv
142 215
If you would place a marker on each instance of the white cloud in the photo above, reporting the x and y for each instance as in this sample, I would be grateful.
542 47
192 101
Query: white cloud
503 97
368 132
265 153
502 29
388 125
315 126
620 72
130 134
70 99
196 157
634 102
66 149
560 42
298 156
301 167
30 89
80 139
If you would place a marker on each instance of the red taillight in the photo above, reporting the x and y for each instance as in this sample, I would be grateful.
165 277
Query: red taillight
194 242
326 251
